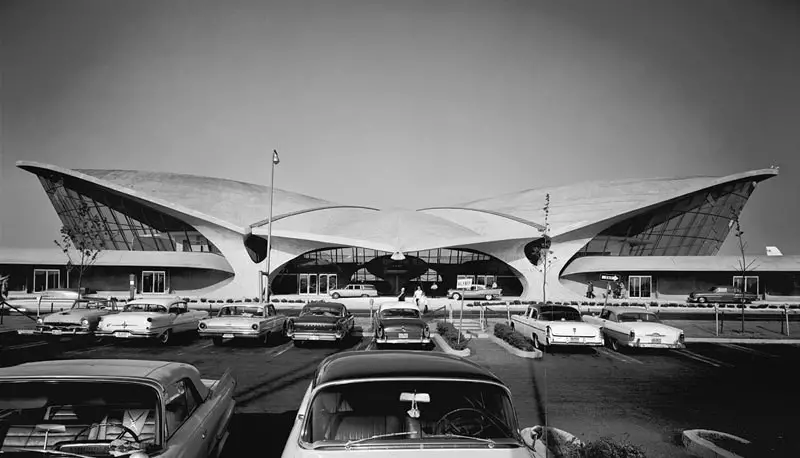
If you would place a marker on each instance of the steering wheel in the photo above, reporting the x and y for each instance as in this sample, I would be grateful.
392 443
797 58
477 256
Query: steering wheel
125 430
467 422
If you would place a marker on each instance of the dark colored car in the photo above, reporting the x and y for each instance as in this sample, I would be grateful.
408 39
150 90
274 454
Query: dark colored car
400 323
722 294
320 321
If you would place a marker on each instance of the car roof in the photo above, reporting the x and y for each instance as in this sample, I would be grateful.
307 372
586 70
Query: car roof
547 306
399 363
398 305
160 300
333 305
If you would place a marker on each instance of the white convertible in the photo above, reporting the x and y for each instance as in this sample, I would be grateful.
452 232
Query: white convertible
635 327
152 317
549 325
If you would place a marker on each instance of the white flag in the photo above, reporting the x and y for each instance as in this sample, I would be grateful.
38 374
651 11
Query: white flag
275 159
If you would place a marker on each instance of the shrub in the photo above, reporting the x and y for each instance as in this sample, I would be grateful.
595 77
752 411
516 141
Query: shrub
185 299
229 301
653 304
281 300
193 301
605 447
203 300
516 302
512 337
451 335
256 299
247 299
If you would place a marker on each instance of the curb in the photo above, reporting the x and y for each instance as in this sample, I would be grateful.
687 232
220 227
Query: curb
703 448
448 349
741 341
535 354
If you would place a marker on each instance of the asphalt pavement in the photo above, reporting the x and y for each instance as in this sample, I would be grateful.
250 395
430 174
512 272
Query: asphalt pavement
648 397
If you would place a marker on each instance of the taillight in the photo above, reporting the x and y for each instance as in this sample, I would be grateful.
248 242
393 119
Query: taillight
426 332
149 320
255 327
681 338
380 331
633 335
290 326
549 332
202 325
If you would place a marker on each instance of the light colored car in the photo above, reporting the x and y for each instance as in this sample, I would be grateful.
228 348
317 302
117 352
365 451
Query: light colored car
151 318
475 292
408 403
113 407
320 321
259 322
549 325
80 320
635 327
400 323
354 290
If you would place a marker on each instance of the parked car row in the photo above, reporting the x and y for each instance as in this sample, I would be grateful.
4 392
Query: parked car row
563 325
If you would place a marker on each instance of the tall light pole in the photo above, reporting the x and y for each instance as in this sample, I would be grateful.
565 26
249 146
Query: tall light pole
275 161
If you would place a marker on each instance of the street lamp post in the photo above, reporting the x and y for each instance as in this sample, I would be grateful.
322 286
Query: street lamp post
275 161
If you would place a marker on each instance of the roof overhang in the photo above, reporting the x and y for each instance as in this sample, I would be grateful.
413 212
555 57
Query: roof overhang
616 264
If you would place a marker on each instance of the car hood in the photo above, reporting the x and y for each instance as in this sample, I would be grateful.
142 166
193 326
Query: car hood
408 323
70 316
652 328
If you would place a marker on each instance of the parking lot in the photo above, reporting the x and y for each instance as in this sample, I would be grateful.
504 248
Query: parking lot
648 397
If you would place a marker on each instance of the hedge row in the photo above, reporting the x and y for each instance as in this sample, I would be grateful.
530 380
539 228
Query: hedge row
605 448
642 304
451 335
512 337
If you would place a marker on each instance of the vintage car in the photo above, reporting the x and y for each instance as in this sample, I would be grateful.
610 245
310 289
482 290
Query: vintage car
327 321
151 318
81 320
258 321
475 292
727 294
408 403
113 407
635 327
354 290
60 299
548 325
400 323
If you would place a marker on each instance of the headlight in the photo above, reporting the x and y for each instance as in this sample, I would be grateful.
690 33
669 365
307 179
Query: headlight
202 325
681 338
290 326
426 332
380 331
39 321
632 335
85 323
255 327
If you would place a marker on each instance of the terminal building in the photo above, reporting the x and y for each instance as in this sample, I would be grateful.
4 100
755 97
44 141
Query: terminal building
207 237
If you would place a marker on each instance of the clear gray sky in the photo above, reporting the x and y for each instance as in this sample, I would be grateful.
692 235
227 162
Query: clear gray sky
403 103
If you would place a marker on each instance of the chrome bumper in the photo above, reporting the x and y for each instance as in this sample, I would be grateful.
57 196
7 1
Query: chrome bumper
129 334
327 337
249 334
419 340
586 342
50 331
654 345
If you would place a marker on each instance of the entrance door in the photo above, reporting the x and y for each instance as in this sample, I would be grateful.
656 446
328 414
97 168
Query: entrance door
750 283
639 286
326 283
302 285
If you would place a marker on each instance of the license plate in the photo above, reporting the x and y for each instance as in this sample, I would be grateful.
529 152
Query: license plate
313 337
122 334
227 336
657 341
25 331
403 335
574 339
57 332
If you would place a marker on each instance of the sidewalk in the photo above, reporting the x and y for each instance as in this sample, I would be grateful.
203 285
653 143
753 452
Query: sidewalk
731 332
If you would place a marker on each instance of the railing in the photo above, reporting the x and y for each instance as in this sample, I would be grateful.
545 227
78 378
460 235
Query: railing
4 304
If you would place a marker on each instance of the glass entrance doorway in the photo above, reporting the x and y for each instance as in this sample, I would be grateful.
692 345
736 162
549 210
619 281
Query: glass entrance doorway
639 286
750 283
316 284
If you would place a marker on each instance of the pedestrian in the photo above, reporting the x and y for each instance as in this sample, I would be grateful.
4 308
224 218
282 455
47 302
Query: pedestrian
402 296
622 290
418 294
494 285
590 291
608 290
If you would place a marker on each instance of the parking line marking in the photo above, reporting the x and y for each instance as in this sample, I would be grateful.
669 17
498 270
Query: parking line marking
617 356
703 359
282 351
207 345
748 350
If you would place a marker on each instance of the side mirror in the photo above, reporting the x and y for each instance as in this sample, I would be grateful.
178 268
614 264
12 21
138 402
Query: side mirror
531 436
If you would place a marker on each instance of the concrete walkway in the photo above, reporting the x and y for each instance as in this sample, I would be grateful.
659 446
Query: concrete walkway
704 331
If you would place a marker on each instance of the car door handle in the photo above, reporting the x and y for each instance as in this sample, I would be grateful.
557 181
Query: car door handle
203 436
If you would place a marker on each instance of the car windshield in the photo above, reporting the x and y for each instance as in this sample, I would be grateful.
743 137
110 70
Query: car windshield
475 412
242 311
91 305
400 313
143 307
631 317
321 311
64 415
560 314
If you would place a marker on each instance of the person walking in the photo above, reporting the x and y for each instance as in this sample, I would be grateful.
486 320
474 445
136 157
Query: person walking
402 296
418 295
590 291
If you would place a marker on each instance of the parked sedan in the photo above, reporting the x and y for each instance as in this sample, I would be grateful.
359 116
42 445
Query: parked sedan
475 292
326 321
259 322
81 320
637 328
400 323
727 294
113 407
151 318
548 325
410 403
354 290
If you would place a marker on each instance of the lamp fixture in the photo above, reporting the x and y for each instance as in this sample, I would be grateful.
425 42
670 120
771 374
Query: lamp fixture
398 256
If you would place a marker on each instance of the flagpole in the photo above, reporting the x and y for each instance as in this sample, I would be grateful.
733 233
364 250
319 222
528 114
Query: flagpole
269 229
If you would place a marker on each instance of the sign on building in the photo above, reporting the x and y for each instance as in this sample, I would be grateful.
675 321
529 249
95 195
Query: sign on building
463 283
610 277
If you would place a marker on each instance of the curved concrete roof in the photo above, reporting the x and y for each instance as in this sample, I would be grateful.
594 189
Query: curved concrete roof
578 205
603 264
244 208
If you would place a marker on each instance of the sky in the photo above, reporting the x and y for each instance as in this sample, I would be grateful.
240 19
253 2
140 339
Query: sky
403 103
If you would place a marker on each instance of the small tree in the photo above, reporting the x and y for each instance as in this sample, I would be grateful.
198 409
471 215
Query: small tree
81 241
545 246
744 266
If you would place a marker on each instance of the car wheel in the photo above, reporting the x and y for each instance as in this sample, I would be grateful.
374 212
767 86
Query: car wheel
456 296
536 344
489 297
298 343
614 345
217 340
267 338
365 295
165 338
335 295
512 327
701 300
